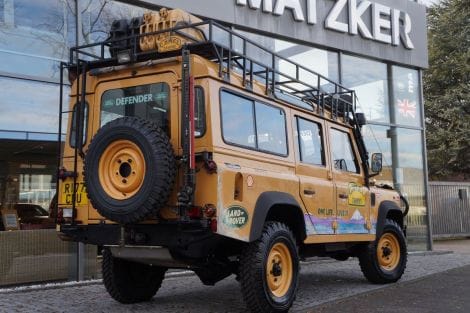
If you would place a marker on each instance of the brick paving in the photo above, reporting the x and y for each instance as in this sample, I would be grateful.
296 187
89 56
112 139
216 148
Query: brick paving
320 282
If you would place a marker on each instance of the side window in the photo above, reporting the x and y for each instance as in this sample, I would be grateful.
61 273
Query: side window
342 152
310 142
199 113
84 122
253 124
238 120
271 129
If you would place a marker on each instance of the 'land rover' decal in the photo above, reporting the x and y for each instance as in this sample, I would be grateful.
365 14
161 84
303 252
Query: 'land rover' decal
235 216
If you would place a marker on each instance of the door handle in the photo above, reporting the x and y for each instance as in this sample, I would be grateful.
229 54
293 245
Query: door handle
309 192
343 196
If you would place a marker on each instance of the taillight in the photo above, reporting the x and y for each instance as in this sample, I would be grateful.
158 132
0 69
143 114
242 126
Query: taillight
209 210
60 216
195 212
214 225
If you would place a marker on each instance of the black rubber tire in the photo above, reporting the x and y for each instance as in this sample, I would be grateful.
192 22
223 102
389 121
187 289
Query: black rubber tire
252 270
130 282
369 263
341 256
159 175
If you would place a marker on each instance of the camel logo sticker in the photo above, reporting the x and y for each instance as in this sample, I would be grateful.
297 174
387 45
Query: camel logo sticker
235 216
357 195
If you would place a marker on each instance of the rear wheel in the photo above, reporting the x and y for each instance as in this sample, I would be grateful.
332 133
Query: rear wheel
384 260
130 282
269 270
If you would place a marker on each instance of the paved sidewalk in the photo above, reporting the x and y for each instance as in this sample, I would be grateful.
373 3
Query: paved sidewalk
320 282
444 292
456 245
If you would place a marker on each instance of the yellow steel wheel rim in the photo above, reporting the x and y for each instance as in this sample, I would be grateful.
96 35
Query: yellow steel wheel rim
122 169
279 270
388 252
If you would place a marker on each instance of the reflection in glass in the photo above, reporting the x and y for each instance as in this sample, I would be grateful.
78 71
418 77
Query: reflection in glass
27 189
376 140
407 106
321 61
23 101
97 17
310 142
35 36
149 102
30 65
2 11
271 129
83 123
255 53
342 152
411 183
199 112
369 80
39 14
410 151
238 120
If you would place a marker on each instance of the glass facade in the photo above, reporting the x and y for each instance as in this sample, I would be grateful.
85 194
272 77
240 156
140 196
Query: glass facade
407 106
35 36
369 79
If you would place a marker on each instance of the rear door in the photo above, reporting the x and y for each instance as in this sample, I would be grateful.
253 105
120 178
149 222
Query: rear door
152 98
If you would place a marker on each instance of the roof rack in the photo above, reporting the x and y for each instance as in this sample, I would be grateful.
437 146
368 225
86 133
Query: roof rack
283 79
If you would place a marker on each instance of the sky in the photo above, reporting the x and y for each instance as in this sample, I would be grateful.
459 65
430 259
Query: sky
428 2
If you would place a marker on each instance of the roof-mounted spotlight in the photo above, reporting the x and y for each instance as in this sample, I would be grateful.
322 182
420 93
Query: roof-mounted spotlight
124 56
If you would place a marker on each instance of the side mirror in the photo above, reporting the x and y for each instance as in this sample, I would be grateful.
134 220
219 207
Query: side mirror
376 162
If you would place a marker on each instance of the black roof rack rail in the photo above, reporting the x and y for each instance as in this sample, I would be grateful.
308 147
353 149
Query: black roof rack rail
299 86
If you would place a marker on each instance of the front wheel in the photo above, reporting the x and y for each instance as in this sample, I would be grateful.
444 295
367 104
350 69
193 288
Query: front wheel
384 260
269 270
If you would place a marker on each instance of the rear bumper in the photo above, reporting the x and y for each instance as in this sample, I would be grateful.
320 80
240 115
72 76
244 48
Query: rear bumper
186 242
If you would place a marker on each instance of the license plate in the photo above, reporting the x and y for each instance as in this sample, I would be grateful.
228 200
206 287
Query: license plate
81 197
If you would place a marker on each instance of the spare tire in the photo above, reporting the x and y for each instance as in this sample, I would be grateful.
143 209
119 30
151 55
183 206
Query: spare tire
129 169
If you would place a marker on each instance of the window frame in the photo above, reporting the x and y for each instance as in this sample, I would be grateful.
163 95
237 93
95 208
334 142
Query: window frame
322 141
253 101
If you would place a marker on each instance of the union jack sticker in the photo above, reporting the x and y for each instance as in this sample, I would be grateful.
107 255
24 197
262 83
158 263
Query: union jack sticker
407 108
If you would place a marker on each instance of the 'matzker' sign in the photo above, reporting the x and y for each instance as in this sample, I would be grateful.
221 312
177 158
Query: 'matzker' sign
387 25
391 30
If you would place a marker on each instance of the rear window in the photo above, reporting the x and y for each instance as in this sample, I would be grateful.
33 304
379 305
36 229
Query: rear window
150 102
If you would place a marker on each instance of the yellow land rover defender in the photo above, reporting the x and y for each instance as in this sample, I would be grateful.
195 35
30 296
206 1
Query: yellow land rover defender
191 146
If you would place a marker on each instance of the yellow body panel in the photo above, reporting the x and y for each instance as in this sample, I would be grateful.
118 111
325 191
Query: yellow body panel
322 192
